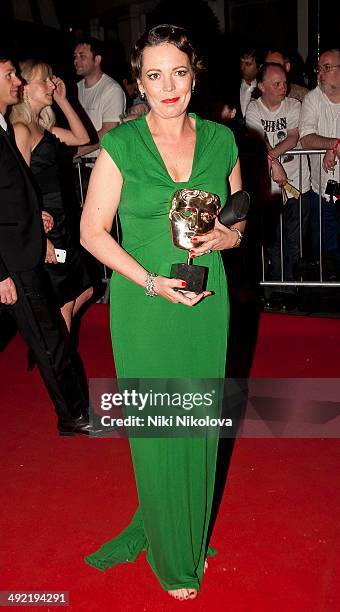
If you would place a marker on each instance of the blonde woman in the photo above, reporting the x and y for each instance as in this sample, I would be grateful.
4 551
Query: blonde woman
43 146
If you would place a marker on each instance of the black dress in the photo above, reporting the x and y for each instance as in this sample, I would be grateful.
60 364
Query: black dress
71 278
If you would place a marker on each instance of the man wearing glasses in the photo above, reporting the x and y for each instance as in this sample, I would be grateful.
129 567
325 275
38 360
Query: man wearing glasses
320 129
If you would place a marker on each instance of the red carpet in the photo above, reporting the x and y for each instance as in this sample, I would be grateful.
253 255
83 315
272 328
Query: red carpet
277 533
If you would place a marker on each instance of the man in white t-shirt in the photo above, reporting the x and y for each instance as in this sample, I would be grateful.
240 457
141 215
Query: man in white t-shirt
280 57
103 100
320 129
275 117
102 97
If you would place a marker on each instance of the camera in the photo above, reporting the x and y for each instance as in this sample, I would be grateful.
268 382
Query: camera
333 189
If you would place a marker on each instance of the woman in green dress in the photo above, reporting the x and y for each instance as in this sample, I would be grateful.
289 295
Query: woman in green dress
157 331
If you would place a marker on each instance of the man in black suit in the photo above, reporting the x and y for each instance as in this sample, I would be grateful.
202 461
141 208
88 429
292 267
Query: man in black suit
24 292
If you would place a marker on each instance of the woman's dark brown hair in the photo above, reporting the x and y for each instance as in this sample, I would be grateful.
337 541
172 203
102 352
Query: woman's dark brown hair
159 35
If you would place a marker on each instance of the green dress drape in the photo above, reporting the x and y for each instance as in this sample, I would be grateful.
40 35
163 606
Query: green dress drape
153 338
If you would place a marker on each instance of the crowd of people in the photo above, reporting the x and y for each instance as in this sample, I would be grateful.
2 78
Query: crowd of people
148 153
285 115
264 104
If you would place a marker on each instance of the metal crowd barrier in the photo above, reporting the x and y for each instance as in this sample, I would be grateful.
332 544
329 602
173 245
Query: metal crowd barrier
302 283
80 164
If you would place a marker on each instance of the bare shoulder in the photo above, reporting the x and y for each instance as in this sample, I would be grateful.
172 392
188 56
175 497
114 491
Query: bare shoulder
22 131
21 128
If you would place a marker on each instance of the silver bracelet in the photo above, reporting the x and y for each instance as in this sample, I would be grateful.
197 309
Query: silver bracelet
240 236
150 284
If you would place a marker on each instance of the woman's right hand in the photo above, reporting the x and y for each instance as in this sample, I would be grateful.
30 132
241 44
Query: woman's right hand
164 287
50 253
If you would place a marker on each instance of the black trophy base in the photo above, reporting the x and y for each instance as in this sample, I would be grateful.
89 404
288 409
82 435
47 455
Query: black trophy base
195 276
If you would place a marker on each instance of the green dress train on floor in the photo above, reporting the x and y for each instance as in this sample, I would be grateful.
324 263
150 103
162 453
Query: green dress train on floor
153 338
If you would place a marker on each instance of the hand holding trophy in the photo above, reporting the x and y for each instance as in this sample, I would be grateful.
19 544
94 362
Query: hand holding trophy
193 212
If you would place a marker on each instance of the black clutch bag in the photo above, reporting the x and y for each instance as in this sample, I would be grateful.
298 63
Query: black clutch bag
235 209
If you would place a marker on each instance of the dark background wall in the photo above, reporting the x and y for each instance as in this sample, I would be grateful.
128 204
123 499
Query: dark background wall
258 22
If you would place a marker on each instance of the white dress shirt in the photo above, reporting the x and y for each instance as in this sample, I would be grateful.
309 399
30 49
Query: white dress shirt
3 122
245 94
320 116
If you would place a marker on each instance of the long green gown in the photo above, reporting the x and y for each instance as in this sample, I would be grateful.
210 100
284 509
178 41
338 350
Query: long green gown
153 338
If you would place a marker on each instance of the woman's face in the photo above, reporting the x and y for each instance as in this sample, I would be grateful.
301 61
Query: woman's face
166 79
40 90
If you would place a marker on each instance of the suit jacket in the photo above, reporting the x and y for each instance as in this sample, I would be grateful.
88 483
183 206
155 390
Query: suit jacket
22 238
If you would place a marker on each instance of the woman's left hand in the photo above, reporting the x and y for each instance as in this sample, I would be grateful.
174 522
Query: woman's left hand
50 256
218 239
60 88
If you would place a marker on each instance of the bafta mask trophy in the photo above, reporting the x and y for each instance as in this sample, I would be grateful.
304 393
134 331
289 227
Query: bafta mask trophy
193 212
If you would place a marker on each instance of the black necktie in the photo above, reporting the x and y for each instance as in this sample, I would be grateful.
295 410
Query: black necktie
9 132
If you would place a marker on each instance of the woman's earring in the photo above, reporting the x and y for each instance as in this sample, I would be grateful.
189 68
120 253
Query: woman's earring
193 88
142 95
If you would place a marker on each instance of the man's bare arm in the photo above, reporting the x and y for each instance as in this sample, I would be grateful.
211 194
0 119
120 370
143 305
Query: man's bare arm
287 144
314 141
106 127
86 149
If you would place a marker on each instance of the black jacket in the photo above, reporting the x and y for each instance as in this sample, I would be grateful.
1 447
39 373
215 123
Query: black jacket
22 240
